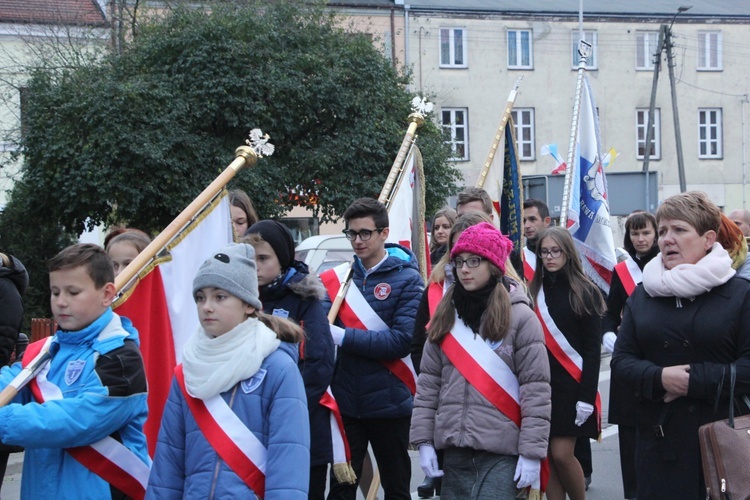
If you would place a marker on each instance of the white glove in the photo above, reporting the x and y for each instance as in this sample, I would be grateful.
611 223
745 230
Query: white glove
583 412
337 333
527 471
428 461
608 342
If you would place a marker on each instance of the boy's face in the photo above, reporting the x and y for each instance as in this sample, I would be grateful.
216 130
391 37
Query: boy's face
75 300
372 250
219 311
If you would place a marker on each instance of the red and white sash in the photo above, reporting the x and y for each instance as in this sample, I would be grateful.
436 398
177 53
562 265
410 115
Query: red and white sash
107 458
560 348
630 275
229 437
365 318
483 369
341 451
435 292
529 264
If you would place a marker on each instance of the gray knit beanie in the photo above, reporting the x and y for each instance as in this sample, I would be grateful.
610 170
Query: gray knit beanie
232 269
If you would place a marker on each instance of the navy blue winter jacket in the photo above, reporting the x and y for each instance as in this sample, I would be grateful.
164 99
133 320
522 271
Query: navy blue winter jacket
362 385
298 297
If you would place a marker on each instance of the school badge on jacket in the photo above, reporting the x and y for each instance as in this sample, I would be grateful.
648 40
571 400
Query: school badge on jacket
74 370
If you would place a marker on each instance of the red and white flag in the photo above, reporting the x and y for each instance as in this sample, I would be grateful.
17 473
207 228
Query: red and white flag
161 305
406 209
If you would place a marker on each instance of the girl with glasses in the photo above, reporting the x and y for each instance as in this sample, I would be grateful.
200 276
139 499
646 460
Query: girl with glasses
483 341
570 307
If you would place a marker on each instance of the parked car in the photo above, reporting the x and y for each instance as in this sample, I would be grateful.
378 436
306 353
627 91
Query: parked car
324 252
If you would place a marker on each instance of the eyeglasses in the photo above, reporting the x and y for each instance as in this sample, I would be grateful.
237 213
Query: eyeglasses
553 252
364 234
472 262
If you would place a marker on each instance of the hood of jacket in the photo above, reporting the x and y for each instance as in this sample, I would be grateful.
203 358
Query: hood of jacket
16 273
398 257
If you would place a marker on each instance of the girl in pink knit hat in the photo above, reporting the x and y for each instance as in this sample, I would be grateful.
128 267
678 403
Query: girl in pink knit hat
483 393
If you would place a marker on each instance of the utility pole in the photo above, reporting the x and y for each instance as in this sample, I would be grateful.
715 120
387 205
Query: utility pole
675 111
665 43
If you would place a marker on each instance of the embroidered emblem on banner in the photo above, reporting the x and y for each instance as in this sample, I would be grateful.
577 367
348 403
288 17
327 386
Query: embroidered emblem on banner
74 370
252 383
382 291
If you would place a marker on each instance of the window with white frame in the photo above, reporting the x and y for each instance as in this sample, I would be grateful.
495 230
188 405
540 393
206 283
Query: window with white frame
523 120
645 47
710 133
520 53
709 51
453 48
641 128
591 37
456 132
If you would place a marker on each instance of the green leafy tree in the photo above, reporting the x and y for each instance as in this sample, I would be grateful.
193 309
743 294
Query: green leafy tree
136 139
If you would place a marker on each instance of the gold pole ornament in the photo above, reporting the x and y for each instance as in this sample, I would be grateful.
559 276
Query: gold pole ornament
498 134
245 156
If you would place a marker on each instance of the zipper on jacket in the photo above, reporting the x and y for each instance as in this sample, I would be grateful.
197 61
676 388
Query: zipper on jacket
215 479
678 302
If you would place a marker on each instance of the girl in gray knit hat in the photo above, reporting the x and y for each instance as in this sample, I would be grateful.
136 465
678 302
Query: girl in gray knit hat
236 417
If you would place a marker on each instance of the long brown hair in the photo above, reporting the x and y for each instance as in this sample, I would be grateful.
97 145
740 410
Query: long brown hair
585 299
286 330
450 215
495 321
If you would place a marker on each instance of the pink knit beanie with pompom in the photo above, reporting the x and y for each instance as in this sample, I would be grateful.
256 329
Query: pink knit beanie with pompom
485 241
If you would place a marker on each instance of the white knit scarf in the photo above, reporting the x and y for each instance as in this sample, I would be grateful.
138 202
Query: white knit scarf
688 280
212 365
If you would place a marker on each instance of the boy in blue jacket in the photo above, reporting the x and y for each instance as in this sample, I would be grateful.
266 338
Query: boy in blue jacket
374 381
81 418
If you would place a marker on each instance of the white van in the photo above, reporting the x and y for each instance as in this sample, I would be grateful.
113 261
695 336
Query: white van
324 252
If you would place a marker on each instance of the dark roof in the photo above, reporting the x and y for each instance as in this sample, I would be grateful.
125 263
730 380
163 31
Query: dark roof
599 8
60 12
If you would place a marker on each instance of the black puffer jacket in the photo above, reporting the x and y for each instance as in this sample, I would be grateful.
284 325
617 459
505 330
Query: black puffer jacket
13 282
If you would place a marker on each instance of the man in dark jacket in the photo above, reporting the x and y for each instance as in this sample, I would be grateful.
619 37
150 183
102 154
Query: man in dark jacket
13 282
372 383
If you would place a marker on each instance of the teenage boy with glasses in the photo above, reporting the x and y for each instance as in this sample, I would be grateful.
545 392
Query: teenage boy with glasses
373 333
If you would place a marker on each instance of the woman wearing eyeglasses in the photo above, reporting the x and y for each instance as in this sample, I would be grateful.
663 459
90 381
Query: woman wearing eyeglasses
569 306
483 394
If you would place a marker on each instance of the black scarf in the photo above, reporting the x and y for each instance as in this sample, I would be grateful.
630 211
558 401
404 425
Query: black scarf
471 305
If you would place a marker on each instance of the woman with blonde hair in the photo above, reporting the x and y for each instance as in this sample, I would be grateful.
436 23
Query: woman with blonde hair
683 333
442 223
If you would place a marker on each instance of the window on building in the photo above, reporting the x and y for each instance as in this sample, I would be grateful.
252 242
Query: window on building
641 128
523 119
591 37
520 54
709 50
456 132
646 45
453 48
709 133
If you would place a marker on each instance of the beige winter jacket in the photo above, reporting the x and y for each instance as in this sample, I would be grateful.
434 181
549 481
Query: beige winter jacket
449 412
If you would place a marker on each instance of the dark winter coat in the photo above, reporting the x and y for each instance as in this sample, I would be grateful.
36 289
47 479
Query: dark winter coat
584 335
708 333
362 385
13 282
297 298
622 404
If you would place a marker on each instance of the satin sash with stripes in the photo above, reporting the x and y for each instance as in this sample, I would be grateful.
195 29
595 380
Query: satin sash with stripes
561 349
109 459
365 318
229 437
529 264
483 369
630 275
